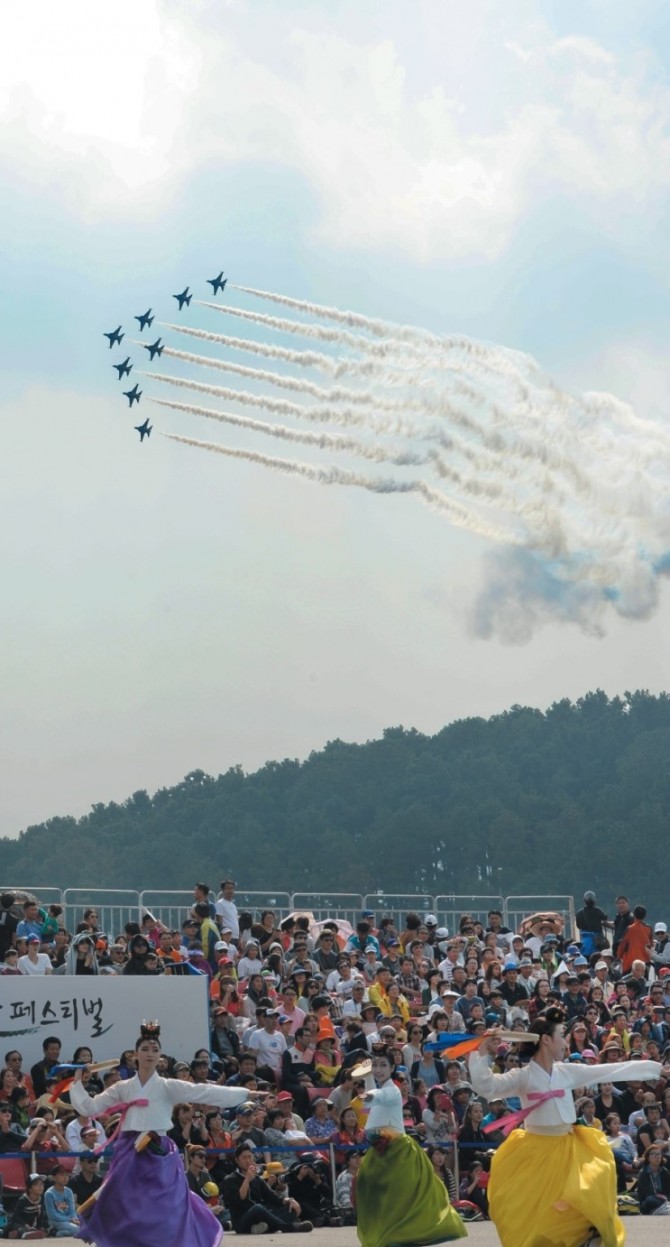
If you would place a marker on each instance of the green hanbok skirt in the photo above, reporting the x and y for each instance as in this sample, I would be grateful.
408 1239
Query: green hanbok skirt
400 1199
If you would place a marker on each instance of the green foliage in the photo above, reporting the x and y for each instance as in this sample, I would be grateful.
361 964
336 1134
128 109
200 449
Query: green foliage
524 802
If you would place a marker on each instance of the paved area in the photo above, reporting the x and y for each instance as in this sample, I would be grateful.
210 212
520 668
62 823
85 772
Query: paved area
640 1232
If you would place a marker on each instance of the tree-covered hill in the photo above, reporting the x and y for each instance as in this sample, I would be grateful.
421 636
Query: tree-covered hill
524 802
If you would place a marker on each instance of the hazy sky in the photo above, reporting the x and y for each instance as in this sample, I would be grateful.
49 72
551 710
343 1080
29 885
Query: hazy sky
498 170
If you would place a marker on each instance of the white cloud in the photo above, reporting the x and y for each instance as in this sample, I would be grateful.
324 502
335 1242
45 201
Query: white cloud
133 98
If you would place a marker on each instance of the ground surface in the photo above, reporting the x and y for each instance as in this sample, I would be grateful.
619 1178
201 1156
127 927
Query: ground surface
640 1232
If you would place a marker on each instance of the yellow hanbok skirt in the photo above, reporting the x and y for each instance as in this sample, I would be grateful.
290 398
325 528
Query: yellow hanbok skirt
549 1190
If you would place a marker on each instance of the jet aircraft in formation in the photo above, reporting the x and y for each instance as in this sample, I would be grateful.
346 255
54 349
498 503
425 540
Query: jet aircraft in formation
144 430
145 319
183 298
217 283
133 395
114 337
156 348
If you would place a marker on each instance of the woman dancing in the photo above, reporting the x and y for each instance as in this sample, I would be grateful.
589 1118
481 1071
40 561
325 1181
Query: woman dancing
552 1184
145 1200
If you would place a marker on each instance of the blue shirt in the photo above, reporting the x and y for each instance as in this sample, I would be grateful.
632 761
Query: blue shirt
26 928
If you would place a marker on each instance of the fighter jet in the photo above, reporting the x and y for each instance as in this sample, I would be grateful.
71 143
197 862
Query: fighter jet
146 319
183 298
133 395
144 430
114 337
155 348
124 369
217 283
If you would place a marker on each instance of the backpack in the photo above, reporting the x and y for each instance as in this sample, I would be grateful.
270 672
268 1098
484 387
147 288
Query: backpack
627 1206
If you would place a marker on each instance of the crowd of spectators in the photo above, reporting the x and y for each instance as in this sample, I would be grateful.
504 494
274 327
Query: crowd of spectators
296 1006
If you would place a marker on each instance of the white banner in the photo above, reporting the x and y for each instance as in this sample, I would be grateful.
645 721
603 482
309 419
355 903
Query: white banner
102 1012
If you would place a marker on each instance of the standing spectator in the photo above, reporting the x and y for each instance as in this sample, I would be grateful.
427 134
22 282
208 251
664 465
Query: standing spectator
622 921
590 922
201 896
8 923
31 923
226 910
637 941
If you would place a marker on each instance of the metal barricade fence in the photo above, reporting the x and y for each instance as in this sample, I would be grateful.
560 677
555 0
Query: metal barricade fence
44 896
114 907
170 908
343 906
397 905
450 909
254 903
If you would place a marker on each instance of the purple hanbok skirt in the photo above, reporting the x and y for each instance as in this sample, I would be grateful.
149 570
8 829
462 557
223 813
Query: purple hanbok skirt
147 1202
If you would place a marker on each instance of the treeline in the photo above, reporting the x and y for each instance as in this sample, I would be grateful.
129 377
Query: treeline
524 802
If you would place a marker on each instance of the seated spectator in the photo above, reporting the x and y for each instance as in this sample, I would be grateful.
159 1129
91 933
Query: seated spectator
621 1144
33 961
430 1068
253 1206
438 1116
344 1188
473 1144
247 1129
186 1128
471 1187
348 1136
320 1127
438 1159
653 1184
198 1178
59 1205
87 1181
309 1183
29 1217
138 950
11 1140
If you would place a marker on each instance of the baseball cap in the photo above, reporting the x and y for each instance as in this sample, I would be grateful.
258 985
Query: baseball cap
220 946
243 1109
581 961
34 939
601 965
442 933
661 926
272 1013
430 920
284 1095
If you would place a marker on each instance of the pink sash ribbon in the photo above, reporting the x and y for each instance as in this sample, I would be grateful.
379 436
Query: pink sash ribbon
511 1120
121 1109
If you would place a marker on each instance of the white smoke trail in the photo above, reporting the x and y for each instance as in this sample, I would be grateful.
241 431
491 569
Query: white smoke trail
282 407
324 441
298 384
495 358
304 359
459 515
294 327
